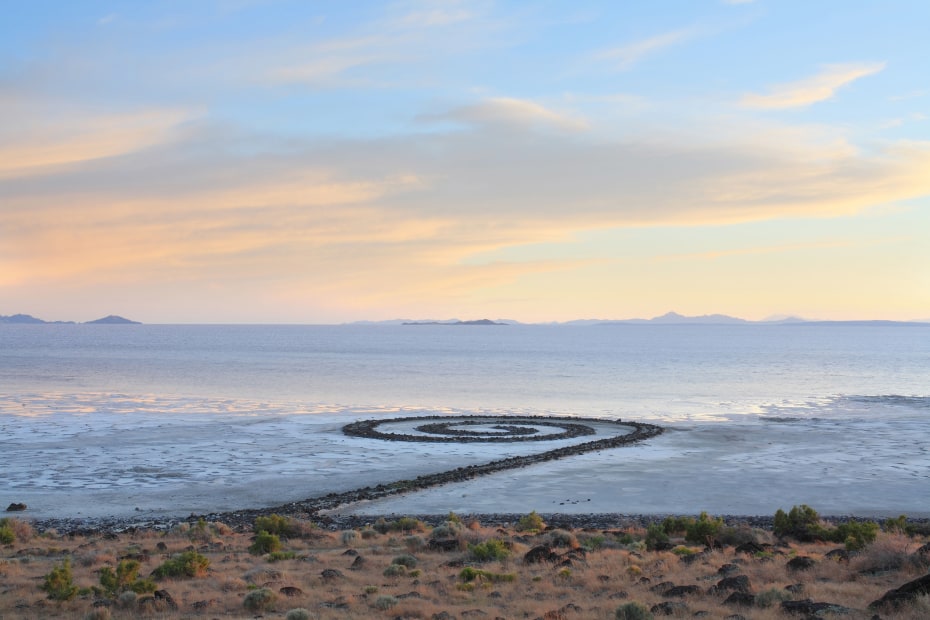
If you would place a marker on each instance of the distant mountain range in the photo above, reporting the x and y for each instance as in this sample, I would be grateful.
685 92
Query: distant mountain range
670 318
28 319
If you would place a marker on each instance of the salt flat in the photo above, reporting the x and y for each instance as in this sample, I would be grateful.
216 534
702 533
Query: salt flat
72 456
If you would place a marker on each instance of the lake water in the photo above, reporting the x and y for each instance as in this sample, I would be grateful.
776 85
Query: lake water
102 394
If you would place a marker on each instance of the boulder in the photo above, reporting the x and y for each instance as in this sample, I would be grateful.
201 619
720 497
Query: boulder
736 583
742 599
683 591
669 608
802 562
540 554
904 594
810 609
15 507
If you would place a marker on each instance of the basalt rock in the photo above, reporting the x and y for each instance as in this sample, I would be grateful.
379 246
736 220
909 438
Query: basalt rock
15 507
904 594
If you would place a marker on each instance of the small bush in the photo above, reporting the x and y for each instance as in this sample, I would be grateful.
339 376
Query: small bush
259 600
449 529
265 542
563 538
656 537
633 611
189 564
490 550
348 537
405 560
771 597
801 523
395 570
285 527
856 535
530 523
297 614
279 556
100 613
470 574
127 599
703 530
59 584
385 602
369 533
414 543
126 577
6 535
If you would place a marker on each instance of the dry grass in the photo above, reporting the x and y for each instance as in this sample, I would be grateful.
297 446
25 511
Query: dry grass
591 586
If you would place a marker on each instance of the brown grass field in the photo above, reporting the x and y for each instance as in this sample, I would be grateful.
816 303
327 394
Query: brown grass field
589 576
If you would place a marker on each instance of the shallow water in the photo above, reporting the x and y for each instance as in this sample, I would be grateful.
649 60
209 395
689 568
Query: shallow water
156 420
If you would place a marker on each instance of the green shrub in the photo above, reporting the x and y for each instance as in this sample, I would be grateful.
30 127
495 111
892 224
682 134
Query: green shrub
100 613
771 597
656 537
470 574
7 537
265 542
125 578
802 523
297 614
633 611
449 529
703 530
856 535
405 560
898 525
414 543
59 584
259 600
489 551
188 564
676 525
395 570
530 523
385 602
563 538
595 542
285 527
127 599
278 556
348 537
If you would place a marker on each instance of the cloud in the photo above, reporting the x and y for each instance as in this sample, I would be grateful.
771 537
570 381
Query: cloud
510 112
433 13
44 136
626 56
820 87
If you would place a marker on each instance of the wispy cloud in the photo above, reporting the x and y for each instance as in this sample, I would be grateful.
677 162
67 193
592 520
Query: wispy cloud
814 89
508 111
626 56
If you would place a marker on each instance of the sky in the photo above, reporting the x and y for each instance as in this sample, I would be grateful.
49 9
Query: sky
277 161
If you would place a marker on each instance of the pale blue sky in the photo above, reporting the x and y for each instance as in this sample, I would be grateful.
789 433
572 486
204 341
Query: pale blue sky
276 161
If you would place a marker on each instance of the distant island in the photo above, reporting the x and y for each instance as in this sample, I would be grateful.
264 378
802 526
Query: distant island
669 318
478 322
28 319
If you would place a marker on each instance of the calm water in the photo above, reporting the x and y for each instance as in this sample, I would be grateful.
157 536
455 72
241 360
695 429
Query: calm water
664 372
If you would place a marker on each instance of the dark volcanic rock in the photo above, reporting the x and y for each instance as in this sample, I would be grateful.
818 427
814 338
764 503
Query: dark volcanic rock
290 591
669 608
166 598
743 599
540 554
802 562
446 545
683 591
15 507
809 608
904 594
736 583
